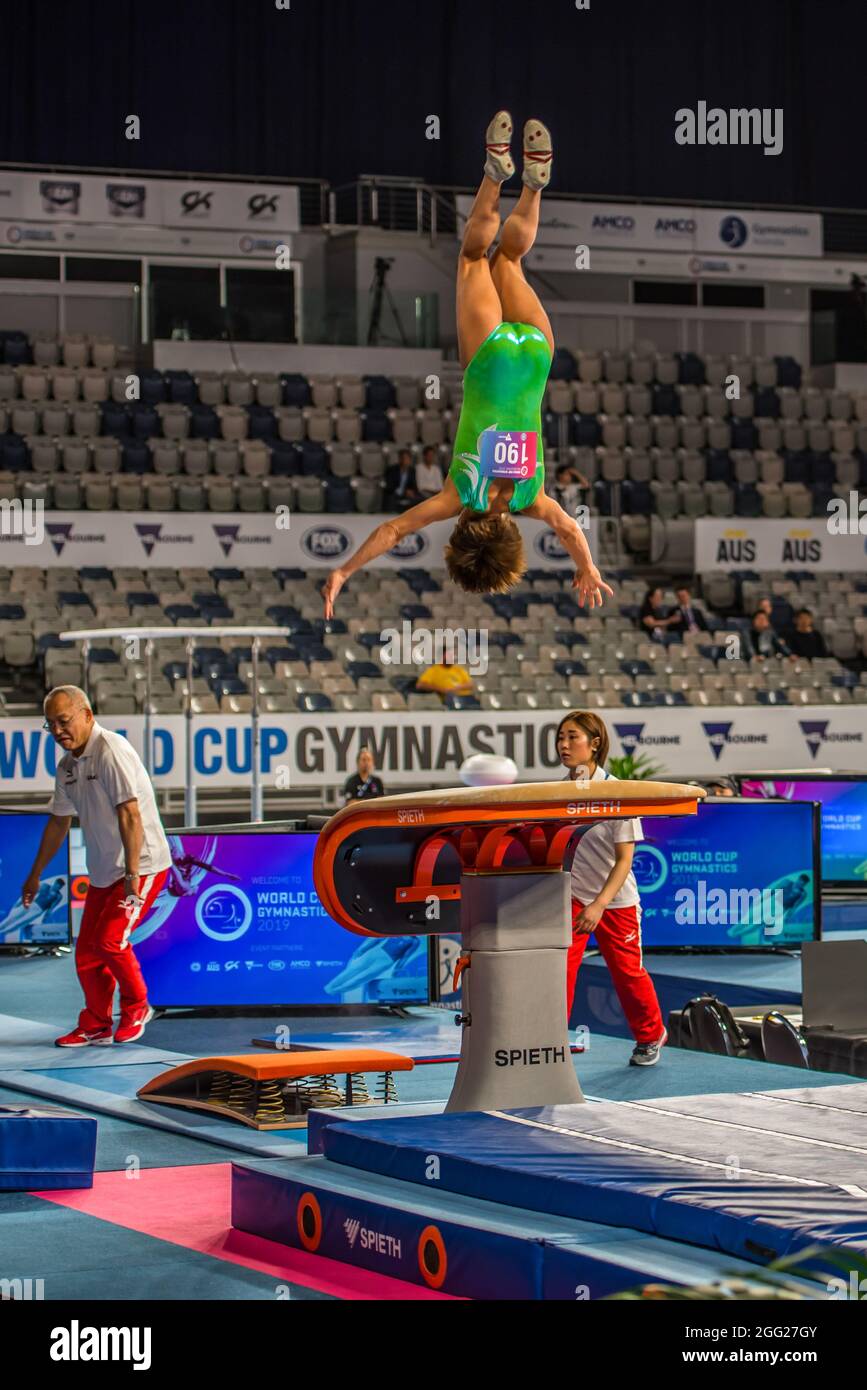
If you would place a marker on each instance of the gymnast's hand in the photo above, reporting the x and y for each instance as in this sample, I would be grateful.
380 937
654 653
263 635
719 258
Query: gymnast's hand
589 583
589 917
331 589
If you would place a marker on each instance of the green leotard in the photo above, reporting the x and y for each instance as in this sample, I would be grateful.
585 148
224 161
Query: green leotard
503 389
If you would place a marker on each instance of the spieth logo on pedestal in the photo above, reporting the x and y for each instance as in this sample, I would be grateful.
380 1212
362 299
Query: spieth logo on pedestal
326 542
223 912
815 732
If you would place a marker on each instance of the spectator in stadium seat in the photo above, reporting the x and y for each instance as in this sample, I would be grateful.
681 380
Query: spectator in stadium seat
651 616
766 606
401 486
687 617
428 474
570 488
445 679
762 641
363 785
803 639
721 786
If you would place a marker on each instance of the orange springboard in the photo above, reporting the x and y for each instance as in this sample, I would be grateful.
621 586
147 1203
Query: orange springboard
273 1066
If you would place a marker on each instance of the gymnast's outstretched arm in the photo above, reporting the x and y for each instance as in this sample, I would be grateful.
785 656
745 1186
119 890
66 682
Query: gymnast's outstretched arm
444 505
588 581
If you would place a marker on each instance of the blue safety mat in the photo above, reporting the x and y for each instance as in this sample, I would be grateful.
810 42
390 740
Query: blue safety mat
757 1175
112 1091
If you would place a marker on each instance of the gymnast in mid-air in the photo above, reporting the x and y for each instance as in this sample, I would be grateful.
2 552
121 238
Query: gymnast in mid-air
506 346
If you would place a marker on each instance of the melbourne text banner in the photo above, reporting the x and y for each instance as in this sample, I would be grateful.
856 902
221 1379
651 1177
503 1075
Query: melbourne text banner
424 748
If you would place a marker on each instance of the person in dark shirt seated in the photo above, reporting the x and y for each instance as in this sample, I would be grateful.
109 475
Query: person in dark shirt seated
651 618
401 487
686 616
363 785
763 642
803 639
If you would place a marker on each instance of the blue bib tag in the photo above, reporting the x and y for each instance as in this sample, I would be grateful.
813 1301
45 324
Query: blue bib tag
509 454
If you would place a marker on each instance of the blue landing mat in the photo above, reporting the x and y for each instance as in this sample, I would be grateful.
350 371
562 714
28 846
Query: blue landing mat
486 1249
112 1091
758 1175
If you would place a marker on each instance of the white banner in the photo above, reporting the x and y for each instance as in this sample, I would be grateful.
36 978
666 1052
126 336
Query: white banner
242 539
305 751
189 203
135 238
777 545
642 227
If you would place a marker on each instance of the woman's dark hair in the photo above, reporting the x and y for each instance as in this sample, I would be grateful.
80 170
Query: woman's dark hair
594 728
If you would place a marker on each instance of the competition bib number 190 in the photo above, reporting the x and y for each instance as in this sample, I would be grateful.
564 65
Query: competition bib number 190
508 454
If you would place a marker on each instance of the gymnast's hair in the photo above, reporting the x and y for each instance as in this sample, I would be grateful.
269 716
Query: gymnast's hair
594 728
485 554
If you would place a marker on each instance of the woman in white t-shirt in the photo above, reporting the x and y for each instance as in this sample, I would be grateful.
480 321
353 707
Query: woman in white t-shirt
605 897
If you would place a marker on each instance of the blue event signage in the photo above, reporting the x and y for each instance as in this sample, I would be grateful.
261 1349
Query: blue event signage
508 454
734 875
46 918
844 820
238 922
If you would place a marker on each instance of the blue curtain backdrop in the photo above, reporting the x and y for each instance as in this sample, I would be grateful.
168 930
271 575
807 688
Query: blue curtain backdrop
334 88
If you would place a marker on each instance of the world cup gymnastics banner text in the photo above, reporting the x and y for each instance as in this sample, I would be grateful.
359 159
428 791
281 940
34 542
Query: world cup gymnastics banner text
303 752
817 543
244 540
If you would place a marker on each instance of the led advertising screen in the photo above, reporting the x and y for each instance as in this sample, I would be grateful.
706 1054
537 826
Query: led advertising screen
738 874
239 923
844 820
46 920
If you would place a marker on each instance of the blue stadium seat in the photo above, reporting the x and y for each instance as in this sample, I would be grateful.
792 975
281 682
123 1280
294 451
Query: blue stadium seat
74 598
145 421
283 652
296 390
228 685
14 453
357 669
822 469
135 457
670 697
204 422
13 612
379 393
748 501
637 699
115 419
788 372
96 574
571 668
285 459
744 434
16 349
375 427
415 610
181 387
718 466
281 615
796 466
636 668
822 495
551 429
690 371
263 422
584 430
314 703
153 389
772 697
767 403
563 366
637 498
339 496
666 401
314 459
103 656
141 599
452 701
180 613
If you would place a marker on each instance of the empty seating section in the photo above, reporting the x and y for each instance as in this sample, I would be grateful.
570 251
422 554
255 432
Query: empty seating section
653 433
543 651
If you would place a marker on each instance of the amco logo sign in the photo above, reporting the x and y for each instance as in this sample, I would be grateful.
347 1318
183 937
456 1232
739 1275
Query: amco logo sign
326 542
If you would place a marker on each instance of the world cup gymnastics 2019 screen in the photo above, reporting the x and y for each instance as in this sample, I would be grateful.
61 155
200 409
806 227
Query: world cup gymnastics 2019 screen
844 820
238 922
738 874
45 921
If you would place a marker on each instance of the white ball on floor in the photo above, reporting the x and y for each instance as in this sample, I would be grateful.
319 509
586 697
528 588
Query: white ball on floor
488 770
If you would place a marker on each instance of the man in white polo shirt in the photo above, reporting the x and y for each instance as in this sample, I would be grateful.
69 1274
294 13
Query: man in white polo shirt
102 780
